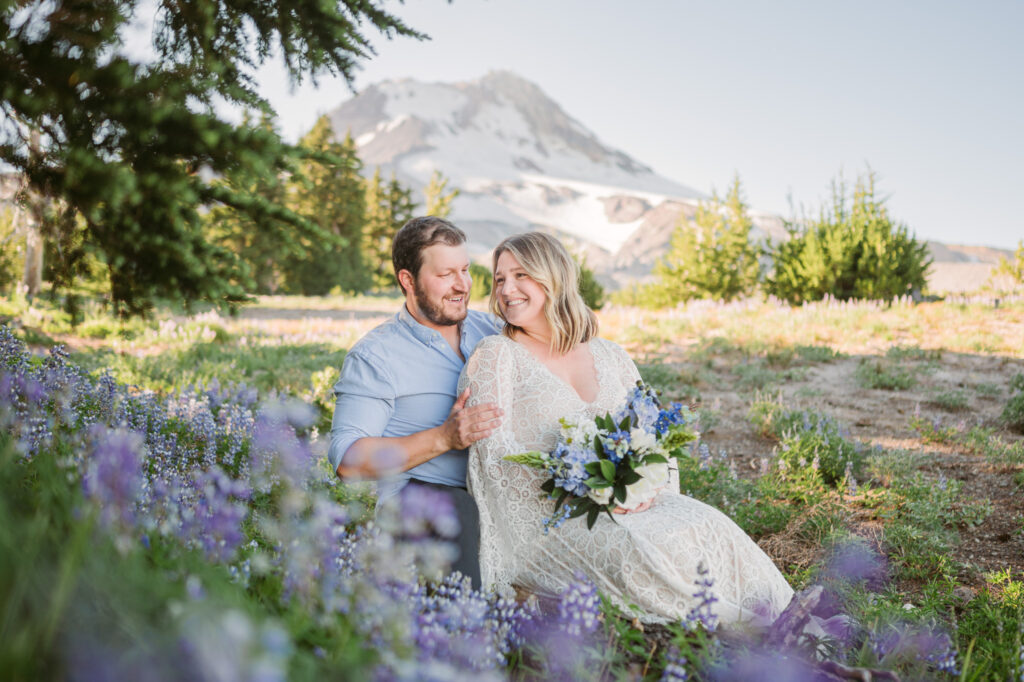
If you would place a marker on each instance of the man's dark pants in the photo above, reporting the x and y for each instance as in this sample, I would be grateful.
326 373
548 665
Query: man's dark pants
468 541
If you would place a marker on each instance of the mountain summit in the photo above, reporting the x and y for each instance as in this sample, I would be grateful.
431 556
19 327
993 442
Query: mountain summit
521 163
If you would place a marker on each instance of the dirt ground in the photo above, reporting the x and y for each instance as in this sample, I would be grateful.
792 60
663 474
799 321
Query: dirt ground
882 417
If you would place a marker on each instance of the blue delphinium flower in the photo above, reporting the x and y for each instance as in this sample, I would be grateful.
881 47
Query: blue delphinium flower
571 461
616 445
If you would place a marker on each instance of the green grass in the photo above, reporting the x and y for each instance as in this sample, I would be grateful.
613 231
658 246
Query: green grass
953 400
918 521
879 374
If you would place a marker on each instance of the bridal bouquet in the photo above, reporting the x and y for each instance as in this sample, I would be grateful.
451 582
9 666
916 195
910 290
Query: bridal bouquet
618 460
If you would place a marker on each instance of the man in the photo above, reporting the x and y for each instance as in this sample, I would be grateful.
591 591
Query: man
397 417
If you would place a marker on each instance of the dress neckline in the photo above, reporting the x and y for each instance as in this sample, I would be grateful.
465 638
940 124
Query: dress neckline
593 360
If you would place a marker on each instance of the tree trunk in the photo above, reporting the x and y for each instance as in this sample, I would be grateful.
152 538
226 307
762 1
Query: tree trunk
33 279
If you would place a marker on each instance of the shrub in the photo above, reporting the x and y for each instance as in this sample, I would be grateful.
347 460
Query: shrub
952 400
1011 272
1013 413
483 280
809 440
590 289
888 376
849 252
713 258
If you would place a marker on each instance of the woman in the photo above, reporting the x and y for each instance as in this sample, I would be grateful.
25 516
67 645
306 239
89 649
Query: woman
549 364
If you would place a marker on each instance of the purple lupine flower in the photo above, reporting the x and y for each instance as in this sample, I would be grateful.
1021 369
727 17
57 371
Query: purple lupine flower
702 612
579 607
426 511
1020 653
219 511
675 667
855 562
278 455
229 646
451 624
113 476
747 665
926 644
704 454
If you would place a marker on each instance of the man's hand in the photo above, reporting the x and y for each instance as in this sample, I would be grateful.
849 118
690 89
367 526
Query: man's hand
467 425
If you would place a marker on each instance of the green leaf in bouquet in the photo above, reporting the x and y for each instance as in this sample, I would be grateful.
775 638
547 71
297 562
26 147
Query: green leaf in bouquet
548 486
626 423
592 515
597 482
620 492
655 459
607 469
580 506
537 460
593 468
561 498
630 477
598 447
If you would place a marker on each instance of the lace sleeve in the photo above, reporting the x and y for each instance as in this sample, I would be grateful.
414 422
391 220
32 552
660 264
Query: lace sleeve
490 375
628 375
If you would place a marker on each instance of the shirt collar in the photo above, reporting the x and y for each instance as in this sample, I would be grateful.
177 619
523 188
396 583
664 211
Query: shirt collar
423 333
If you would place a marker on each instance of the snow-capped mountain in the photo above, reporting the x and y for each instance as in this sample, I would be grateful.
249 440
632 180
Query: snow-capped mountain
521 163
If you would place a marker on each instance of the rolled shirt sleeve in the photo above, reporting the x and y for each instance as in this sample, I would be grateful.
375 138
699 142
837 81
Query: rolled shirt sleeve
364 403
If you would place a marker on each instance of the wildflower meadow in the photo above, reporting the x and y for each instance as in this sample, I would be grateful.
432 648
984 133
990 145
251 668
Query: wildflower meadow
167 511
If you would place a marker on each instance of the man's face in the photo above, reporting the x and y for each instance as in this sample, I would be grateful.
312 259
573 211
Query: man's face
441 290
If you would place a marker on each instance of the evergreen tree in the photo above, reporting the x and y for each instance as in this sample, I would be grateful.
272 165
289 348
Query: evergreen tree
590 289
132 147
388 207
483 282
328 190
1012 270
853 250
262 240
713 258
438 203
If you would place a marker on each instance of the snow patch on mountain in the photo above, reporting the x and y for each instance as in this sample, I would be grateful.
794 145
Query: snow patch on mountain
519 161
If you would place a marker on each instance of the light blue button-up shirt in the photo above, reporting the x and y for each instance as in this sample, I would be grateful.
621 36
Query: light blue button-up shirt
399 379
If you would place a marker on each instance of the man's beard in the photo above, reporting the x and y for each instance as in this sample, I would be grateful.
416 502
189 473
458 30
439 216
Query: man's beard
435 312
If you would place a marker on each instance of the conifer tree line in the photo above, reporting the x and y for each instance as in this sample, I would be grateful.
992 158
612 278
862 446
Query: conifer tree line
343 242
851 249
125 161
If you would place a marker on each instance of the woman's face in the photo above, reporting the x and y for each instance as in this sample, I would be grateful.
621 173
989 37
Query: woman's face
520 298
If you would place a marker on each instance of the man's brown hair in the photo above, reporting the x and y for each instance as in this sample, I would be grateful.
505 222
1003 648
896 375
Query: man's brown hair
418 234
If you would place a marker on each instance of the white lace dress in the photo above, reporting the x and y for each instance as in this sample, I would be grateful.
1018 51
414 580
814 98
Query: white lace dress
648 559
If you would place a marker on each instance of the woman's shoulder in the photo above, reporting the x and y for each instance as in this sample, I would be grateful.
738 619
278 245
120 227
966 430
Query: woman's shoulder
489 351
493 343
609 347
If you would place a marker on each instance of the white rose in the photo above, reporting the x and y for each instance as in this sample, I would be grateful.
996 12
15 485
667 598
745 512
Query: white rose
642 440
601 495
656 472
586 431
654 477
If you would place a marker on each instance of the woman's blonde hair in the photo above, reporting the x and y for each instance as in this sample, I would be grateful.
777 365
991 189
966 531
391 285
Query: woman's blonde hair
547 263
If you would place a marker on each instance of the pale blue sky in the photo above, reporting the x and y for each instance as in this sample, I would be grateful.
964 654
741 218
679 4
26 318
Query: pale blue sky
930 94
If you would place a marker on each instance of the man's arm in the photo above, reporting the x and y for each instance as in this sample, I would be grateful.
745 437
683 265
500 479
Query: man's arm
370 456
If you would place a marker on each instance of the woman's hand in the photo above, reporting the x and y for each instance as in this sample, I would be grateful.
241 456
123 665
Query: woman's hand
643 506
